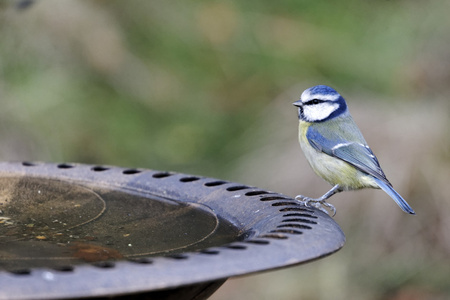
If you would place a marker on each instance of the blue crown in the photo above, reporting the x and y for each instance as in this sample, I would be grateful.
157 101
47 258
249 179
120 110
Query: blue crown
323 90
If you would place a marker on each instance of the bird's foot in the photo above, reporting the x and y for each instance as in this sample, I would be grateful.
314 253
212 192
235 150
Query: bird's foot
317 203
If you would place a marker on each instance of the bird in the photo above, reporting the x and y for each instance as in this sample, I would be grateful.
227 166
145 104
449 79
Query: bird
336 149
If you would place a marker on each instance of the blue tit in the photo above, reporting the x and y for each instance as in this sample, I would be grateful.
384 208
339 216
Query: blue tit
336 149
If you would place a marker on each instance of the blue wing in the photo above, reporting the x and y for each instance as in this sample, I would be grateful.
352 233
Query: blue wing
360 156
356 154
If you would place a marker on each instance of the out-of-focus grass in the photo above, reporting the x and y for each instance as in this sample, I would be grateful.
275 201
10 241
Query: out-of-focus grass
206 87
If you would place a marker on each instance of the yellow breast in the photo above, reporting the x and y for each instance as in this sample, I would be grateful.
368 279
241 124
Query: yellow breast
333 170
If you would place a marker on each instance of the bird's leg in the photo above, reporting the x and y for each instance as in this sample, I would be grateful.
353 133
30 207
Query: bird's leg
317 203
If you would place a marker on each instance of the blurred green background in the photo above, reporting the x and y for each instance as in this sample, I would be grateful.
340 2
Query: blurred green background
206 87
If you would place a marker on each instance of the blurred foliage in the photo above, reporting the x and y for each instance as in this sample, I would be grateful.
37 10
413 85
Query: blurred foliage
136 83
206 87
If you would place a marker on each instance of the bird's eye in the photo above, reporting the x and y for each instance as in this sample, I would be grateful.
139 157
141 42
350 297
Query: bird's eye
315 101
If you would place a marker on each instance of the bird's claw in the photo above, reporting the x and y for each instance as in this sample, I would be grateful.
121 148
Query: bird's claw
316 203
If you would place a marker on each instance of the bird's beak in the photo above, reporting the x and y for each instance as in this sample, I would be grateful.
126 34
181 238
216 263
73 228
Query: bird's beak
298 103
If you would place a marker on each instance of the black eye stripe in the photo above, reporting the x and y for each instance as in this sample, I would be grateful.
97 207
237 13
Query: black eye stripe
314 101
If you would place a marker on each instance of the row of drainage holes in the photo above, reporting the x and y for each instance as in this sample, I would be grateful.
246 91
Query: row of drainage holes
291 228
217 183
156 175
135 171
191 179
251 193
144 260
95 169
210 184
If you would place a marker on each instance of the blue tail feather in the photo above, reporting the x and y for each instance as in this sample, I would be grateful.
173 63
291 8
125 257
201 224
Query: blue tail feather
396 196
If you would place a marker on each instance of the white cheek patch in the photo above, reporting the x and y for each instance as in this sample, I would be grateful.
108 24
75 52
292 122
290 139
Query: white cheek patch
318 112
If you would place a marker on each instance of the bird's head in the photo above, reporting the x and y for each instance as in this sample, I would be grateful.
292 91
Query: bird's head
320 103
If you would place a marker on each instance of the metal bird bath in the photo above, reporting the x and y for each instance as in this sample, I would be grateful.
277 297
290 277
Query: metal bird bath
78 231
